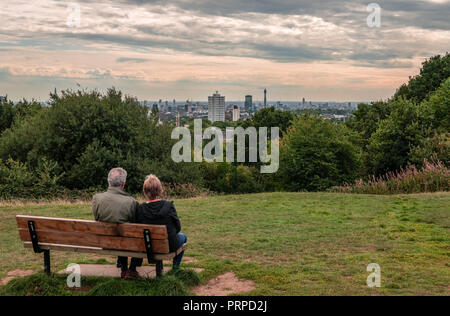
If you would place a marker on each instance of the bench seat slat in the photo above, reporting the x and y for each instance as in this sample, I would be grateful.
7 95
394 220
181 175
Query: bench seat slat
92 227
78 249
101 241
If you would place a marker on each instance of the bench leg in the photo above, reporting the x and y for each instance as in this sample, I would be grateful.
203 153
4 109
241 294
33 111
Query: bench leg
159 268
47 261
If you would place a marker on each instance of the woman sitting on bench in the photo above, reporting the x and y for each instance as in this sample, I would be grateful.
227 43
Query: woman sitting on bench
161 212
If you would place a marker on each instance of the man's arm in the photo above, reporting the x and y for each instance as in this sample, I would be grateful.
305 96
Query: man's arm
133 209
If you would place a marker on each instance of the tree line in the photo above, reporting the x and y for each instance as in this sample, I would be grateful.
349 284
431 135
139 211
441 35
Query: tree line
70 145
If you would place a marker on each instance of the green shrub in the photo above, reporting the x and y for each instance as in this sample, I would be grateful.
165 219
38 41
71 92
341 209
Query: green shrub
230 178
87 133
432 148
18 180
317 154
390 146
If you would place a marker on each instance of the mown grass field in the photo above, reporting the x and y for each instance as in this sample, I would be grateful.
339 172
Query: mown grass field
291 243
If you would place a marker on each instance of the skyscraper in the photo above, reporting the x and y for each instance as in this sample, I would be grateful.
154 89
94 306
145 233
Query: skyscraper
216 108
236 113
265 98
248 102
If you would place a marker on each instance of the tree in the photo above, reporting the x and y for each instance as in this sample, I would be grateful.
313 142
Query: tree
434 72
269 117
390 145
366 118
87 134
6 114
436 147
412 132
317 154
436 116
437 108
10 112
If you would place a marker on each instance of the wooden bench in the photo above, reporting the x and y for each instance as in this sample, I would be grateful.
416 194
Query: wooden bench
125 240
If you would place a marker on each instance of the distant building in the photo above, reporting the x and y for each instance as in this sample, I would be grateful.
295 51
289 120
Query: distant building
188 106
265 98
155 107
248 102
216 108
236 113
2 99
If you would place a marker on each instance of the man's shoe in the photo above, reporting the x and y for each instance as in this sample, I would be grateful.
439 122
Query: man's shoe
123 274
132 275
175 267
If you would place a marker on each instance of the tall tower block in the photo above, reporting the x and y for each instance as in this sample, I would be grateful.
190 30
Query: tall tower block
265 98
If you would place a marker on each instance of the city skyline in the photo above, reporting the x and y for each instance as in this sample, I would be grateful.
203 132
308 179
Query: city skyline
187 49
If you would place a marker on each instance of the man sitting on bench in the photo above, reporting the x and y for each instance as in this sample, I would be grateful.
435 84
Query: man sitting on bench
116 206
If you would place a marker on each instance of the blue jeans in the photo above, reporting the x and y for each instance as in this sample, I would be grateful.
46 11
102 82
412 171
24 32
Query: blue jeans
177 260
137 262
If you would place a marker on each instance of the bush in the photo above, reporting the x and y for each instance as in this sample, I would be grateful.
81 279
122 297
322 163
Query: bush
17 180
229 178
390 146
432 148
183 191
87 133
11 113
411 132
317 154
432 177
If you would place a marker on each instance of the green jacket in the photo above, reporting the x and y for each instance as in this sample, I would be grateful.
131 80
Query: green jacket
114 206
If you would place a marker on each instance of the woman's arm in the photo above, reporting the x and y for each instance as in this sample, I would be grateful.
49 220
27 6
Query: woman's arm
174 216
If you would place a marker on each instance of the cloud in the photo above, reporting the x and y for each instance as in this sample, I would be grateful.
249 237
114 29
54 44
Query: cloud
416 13
288 31
221 41
131 60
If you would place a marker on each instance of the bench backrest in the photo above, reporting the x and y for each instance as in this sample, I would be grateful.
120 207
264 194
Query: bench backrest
75 232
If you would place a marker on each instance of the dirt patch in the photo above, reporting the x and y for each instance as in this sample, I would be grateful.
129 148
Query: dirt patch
16 274
189 260
224 285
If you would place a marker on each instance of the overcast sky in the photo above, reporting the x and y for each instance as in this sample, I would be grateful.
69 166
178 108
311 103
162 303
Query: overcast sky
187 49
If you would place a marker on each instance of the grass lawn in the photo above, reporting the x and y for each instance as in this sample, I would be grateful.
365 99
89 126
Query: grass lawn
290 243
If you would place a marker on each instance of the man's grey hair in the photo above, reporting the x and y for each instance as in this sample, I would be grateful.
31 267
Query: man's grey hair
117 177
